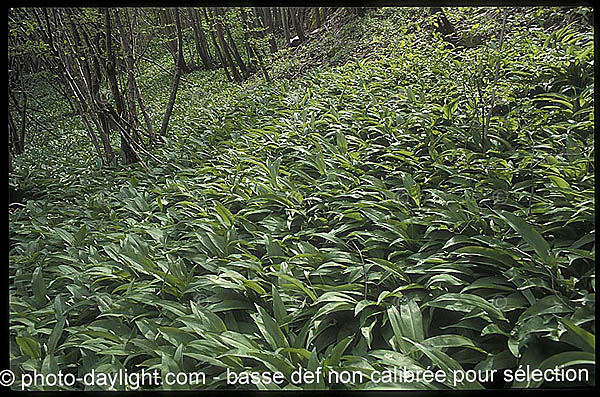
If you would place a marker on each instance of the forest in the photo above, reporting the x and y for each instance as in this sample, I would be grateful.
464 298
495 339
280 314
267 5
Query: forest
301 198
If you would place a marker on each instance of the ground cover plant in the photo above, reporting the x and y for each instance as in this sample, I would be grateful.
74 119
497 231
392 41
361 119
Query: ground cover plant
390 193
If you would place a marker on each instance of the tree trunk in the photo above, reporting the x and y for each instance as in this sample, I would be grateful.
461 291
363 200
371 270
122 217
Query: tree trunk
443 26
285 11
200 40
236 53
268 22
127 40
210 23
176 76
297 25
250 48
317 17
224 47
85 81
166 19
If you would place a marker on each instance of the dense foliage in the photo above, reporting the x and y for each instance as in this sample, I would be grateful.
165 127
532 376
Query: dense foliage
344 214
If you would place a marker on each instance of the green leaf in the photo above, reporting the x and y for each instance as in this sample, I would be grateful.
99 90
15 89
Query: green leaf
447 341
411 321
269 329
529 234
412 188
80 235
342 143
278 306
39 286
465 303
209 319
587 338
445 363
49 365
566 359
58 308
361 305
225 216
55 335
559 182
337 351
367 332
63 234
29 346
297 283
394 318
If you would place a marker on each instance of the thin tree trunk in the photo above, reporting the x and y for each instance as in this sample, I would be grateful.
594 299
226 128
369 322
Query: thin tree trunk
89 87
13 136
61 64
246 36
250 48
10 165
16 134
200 39
131 112
444 26
210 23
166 18
268 22
286 26
144 112
127 39
23 117
236 53
176 77
297 25
224 47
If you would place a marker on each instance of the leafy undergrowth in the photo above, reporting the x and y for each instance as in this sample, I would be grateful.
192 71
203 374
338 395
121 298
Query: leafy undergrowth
348 219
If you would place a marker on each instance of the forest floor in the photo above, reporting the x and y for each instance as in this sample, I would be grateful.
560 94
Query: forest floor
345 215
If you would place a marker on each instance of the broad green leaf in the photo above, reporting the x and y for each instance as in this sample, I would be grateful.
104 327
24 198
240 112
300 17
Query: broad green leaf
411 320
39 286
412 188
566 359
269 329
530 235
55 335
341 142
587 338
29 346
465 303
